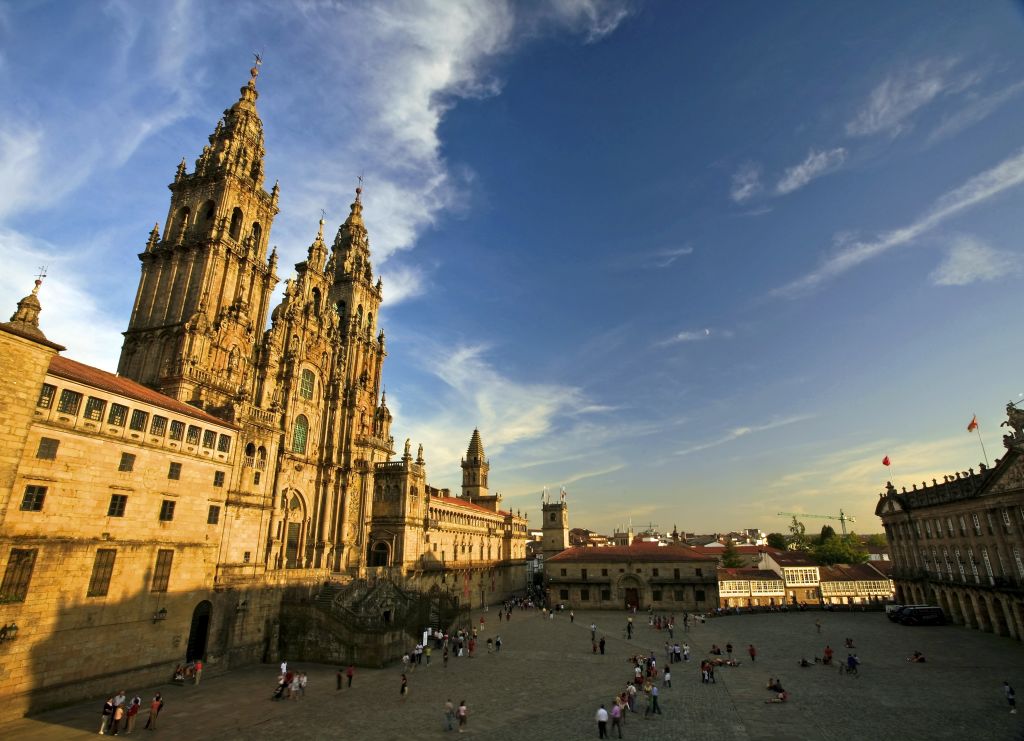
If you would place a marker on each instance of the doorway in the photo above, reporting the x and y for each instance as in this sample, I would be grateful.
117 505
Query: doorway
291 548
632 598
198 633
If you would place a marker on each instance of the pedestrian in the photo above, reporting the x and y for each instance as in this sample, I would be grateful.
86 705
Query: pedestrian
497 643
686 651
617 718
654 699
155 706
302 683
115 723
108 713
449 715
404 689
647 698
666 678
463 714
851 664
1011 697
817 624
728 650
426 652
444 658
284 667
294 686
601 645
602 722
572 619
198 673
752 651
338 676
133 710
350 672
593 631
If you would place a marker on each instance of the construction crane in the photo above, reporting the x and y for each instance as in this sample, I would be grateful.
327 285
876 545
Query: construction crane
843 518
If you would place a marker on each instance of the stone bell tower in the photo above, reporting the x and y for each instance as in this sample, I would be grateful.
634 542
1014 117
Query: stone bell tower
206 280
555 524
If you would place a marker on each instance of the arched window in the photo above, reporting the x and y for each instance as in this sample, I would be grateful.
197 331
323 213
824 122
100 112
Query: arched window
306 384
235 230
379 556
316 301
369 321
209 211
257 233
181 222
300 432
250 450
359 316
340 306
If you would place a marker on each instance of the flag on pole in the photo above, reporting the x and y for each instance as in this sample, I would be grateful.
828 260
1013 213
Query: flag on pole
886 461
973 424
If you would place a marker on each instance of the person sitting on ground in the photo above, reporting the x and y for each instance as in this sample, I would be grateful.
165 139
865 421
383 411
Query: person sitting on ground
849 643
916 658
804 662
775 685
715 650
781 697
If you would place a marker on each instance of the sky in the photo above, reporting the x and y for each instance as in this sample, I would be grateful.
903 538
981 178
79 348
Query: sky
699 263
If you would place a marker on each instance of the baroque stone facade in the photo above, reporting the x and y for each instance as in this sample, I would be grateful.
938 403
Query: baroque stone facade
241 458
959 543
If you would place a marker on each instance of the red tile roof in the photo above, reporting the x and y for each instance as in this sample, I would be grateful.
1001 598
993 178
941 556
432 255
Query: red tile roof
743 550
761 574
792 558
634 552
457 502
115 384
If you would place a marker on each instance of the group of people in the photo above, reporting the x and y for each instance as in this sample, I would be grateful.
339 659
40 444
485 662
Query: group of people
120 713
292 684
192 670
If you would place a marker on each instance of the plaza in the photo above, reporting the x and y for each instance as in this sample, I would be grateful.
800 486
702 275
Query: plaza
546 683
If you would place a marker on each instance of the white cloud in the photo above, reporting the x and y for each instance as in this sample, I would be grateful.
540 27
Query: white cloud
696 335
975 111
746 182
816 164
664 258
970 260
1007 174
401 284
892 103
738 432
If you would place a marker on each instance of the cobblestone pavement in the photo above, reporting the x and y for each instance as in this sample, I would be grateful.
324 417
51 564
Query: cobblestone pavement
547 684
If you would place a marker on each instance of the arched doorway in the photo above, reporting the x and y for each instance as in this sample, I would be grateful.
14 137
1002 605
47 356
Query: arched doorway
380 554
199 632
631 590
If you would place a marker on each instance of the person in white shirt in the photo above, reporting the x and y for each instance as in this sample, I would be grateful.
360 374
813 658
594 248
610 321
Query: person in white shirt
602 722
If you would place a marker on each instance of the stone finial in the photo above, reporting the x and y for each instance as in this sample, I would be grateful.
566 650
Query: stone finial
25 320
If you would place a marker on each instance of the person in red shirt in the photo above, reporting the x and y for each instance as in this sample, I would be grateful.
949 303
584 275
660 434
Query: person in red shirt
752 651
198 671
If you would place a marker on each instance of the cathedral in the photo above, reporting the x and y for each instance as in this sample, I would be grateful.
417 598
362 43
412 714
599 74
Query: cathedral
241 456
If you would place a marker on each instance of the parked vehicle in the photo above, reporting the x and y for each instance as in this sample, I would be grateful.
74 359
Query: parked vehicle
922 616
893 611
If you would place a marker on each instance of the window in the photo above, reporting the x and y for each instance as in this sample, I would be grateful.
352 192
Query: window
977 523
235 230
47 448
656 595
584 595
699 572
18 575
33 499
246 556
678 595
299 434
46 394
139 420
174 471
167 510
117 505
209 438
306 384
699 595
94 409
606 594
177 429
69 402
102 570
563 572
218 478
118 415
159 426
256 478
654 572
675 573
224 444
192 438
1006 515
583 573
563 594
127 462
162 572
604 572
949 526
213 516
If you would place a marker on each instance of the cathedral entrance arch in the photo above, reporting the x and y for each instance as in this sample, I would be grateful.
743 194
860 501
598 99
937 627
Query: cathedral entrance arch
199 632
380 554
631 591
294 535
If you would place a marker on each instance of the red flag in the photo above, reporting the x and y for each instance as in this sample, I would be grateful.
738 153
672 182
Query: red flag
974 424
886 461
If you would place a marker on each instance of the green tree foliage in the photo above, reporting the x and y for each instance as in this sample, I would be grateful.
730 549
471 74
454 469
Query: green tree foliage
827 531
777 540
798 535
840 549
731 559
878 540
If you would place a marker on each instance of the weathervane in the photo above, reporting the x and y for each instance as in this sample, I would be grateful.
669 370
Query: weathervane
256 66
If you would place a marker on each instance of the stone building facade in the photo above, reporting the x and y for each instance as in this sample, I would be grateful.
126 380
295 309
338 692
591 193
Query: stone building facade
241 456
959 543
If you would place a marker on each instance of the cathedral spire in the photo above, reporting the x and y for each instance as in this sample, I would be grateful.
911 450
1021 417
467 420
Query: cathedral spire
25 320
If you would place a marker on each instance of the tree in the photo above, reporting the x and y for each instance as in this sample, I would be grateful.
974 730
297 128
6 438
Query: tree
840 549
827 531
731 559
878 540
777 540
798 535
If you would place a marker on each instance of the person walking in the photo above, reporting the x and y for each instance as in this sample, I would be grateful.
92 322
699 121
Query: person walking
602 722
728 650
463 715
349 673
1011 697
572 617
617 718
449 715
403 691
198 673
133 710
497 643
108 713
601 645
686 651
155 706
817 624
752 651
851 664
666 678
593 631
444 658
655 708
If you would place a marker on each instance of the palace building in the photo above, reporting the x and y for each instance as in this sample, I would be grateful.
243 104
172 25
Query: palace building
162 514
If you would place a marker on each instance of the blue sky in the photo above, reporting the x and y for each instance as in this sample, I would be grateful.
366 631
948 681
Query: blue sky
697 262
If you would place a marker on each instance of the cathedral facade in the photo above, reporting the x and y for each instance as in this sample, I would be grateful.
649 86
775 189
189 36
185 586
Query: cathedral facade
158 514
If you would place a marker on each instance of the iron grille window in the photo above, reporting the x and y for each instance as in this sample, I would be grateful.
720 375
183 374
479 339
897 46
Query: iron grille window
162 571
214 515
167 510
306 384
69 402
33 499
118 415
46 394
94 409
209 438
192 438
177 429
300 432
102 570
174 471
117 505
18 575
224 444
159 426
127 462
47 448
139 420
218 478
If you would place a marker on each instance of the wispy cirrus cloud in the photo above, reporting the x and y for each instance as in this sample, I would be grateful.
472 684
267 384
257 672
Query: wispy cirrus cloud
664 258
976 110
1007 174
815 164
738 432
970 260
696 335
746 182
893 102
